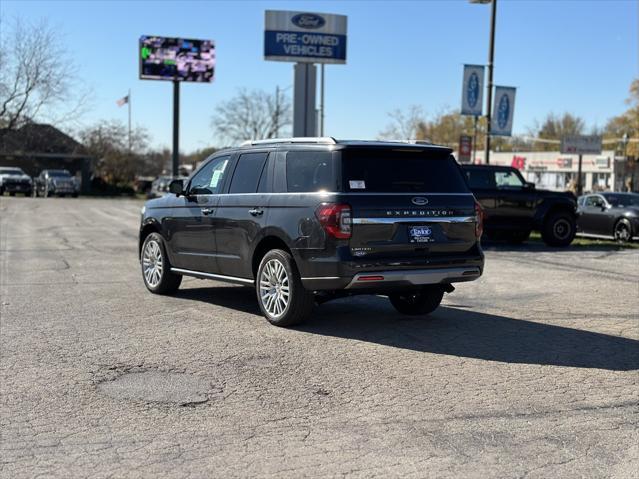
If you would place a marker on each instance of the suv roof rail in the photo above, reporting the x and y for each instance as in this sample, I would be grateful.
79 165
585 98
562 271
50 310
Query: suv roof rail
302 139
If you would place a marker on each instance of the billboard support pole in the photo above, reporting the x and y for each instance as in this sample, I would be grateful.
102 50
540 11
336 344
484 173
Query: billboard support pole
304 112
176 127
580 187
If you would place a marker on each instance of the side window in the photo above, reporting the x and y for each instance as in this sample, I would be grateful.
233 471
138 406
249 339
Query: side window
507 179
480 178
208 180
247 173
594 201
310 171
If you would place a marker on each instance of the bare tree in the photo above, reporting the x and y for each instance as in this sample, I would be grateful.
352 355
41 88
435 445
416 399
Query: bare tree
405 125
108 142
37 78
252 115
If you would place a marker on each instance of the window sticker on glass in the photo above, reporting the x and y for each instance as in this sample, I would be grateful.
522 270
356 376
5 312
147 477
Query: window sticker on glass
357 184
215 179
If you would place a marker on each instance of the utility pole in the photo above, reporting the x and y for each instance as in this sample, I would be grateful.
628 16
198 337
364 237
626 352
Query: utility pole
491 56
276 120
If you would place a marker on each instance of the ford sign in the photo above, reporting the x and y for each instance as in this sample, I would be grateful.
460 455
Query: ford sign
309 21
473 90
503 111
420 201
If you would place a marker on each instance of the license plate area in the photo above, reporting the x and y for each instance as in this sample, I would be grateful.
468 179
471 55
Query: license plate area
420 234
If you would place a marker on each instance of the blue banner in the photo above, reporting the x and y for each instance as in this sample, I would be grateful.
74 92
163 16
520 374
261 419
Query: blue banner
319 47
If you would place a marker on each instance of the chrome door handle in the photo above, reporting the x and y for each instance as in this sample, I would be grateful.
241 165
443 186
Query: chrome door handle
207 211
256 212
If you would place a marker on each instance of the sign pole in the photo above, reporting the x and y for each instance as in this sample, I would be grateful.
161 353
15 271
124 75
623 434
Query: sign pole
491 56
474 138
580 187
176 127
322 102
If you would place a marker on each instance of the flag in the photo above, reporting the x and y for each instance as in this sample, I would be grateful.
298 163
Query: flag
123 101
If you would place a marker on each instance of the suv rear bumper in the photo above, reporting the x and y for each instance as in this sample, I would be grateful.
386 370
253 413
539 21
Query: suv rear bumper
388 279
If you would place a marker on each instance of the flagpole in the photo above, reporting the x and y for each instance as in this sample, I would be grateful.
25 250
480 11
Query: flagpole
129 105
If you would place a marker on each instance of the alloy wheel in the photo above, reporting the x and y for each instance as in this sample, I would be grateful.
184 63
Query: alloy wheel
274 288
622 233
152 263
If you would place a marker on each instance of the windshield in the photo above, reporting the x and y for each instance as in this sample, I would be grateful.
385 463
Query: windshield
622 199
396 171
59 173
12 172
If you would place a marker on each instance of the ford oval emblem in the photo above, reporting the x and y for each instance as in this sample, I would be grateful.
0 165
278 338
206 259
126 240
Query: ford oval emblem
309 21
472 93
503 111
420 201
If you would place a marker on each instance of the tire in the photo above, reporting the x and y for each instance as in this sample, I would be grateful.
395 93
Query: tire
414 303
277 276
518 237
559 229
157 280
622 231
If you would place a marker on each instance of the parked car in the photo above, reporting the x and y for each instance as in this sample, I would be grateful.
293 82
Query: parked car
56 182
609 215
513 207
307 220
160 185
13 180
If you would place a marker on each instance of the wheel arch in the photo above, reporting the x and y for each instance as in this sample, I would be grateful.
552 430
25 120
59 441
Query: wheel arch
548 208
270 240
150 226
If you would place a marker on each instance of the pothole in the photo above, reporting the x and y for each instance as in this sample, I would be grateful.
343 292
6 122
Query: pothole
159 387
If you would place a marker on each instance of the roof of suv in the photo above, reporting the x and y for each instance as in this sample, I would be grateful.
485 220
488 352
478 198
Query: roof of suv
330 141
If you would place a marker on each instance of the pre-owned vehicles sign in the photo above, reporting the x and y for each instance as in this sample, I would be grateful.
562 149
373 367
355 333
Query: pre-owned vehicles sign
304 37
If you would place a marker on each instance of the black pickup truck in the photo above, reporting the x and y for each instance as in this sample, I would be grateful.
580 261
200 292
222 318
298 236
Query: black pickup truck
513 207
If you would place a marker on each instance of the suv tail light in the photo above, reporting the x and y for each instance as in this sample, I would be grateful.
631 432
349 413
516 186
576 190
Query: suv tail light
335 219
479 220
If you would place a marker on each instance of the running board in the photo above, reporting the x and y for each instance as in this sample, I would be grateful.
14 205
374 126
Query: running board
220 277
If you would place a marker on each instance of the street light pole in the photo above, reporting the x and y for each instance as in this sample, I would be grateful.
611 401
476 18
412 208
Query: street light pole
491 56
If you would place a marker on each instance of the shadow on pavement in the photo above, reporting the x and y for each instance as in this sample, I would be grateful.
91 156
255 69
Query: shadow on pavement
538 246
450 330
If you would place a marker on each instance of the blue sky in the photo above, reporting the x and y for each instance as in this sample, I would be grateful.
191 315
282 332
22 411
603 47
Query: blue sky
576 56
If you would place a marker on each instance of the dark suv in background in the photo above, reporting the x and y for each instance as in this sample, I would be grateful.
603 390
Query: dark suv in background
306 220
513 207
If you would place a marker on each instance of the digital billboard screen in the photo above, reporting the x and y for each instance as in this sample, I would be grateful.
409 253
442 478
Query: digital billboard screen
181 59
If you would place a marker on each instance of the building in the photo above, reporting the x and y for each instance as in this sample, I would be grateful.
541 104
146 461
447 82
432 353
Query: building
557 171
35 147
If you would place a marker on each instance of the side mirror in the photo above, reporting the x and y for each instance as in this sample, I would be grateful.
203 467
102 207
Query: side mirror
529 186
176 187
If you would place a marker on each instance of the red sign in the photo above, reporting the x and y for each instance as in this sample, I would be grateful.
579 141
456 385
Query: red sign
518 162
465 148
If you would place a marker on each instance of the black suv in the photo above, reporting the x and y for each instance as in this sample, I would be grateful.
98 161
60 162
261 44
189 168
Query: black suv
513 207
306 220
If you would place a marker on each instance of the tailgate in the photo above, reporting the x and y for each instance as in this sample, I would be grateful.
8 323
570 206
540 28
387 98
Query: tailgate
407 225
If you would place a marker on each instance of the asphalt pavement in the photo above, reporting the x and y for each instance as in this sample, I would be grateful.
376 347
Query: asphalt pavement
531 371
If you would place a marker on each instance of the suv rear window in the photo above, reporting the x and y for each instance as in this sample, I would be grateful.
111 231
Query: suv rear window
394 171
310 171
